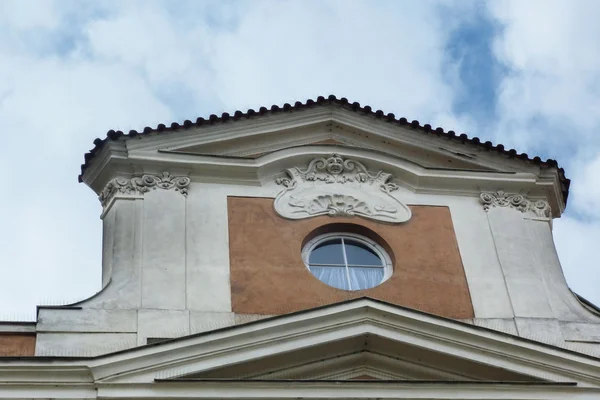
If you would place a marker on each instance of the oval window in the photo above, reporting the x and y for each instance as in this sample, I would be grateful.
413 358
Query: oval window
347 261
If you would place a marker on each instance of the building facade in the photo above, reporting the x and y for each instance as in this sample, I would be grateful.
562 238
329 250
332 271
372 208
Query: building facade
316 250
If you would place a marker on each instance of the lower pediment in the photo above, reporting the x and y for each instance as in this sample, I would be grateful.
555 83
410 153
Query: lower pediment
360 349
364 357
356 344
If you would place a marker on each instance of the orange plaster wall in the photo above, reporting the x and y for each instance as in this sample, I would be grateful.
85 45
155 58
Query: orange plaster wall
17 344
268 275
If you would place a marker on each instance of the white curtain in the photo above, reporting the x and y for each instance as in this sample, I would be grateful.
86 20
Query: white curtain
364 278
333 276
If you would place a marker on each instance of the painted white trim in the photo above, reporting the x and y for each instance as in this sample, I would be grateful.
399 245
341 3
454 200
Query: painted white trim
347 390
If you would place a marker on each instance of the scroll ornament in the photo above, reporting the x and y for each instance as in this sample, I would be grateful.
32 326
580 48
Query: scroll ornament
336 186
540 208
143 184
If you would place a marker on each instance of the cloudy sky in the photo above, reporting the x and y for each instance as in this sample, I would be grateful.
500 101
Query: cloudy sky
522 73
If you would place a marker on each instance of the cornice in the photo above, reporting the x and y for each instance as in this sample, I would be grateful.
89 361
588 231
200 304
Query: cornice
55 378
111 155
348 389
263 170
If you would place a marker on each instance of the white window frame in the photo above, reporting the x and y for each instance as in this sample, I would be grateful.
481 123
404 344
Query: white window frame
370 243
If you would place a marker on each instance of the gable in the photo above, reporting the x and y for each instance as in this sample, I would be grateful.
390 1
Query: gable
331 103
253 151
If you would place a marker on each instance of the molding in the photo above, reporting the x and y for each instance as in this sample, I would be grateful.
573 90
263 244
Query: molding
319 390
263 171
133 187
339 187
540 208
24 327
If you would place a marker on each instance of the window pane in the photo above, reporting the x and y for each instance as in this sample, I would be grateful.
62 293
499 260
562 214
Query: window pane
365 278
329 252
333 276
360 254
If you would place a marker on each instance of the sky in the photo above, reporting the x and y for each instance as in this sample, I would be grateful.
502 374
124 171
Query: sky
522 73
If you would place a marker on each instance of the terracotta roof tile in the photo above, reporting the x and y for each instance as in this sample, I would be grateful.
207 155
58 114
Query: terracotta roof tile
320 101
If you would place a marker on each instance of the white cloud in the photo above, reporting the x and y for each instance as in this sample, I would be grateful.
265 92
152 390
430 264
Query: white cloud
576 243
551 50
76 69
71 70
28 14
586 189
390 57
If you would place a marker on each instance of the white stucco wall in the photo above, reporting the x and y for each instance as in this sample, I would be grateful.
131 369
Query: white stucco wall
166 272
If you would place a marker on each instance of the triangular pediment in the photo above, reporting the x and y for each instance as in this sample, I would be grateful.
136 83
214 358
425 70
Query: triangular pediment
333 132
364 357
349 341
256 151
251 148
359 349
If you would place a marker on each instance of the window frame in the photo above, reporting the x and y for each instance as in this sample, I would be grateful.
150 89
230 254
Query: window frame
370 243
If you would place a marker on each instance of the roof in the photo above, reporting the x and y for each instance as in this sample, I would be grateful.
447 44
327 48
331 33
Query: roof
321 101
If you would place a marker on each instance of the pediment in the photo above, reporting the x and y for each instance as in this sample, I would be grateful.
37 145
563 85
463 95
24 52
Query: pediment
330 133
365 357
349 341
258 151
359 349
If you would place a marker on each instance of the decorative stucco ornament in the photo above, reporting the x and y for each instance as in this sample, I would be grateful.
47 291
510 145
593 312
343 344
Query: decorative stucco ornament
539 208
143 184
336 186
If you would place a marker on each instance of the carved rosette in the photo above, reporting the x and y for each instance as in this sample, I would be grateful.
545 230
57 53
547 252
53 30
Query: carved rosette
143 184
336 186
539 208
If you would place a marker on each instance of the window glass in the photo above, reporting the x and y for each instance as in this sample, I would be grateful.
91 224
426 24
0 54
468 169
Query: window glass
328 252
361 254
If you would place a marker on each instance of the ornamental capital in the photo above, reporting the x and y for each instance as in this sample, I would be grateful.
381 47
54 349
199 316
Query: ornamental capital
539 208
143 184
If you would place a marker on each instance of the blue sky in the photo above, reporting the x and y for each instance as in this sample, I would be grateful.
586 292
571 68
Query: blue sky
525 74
